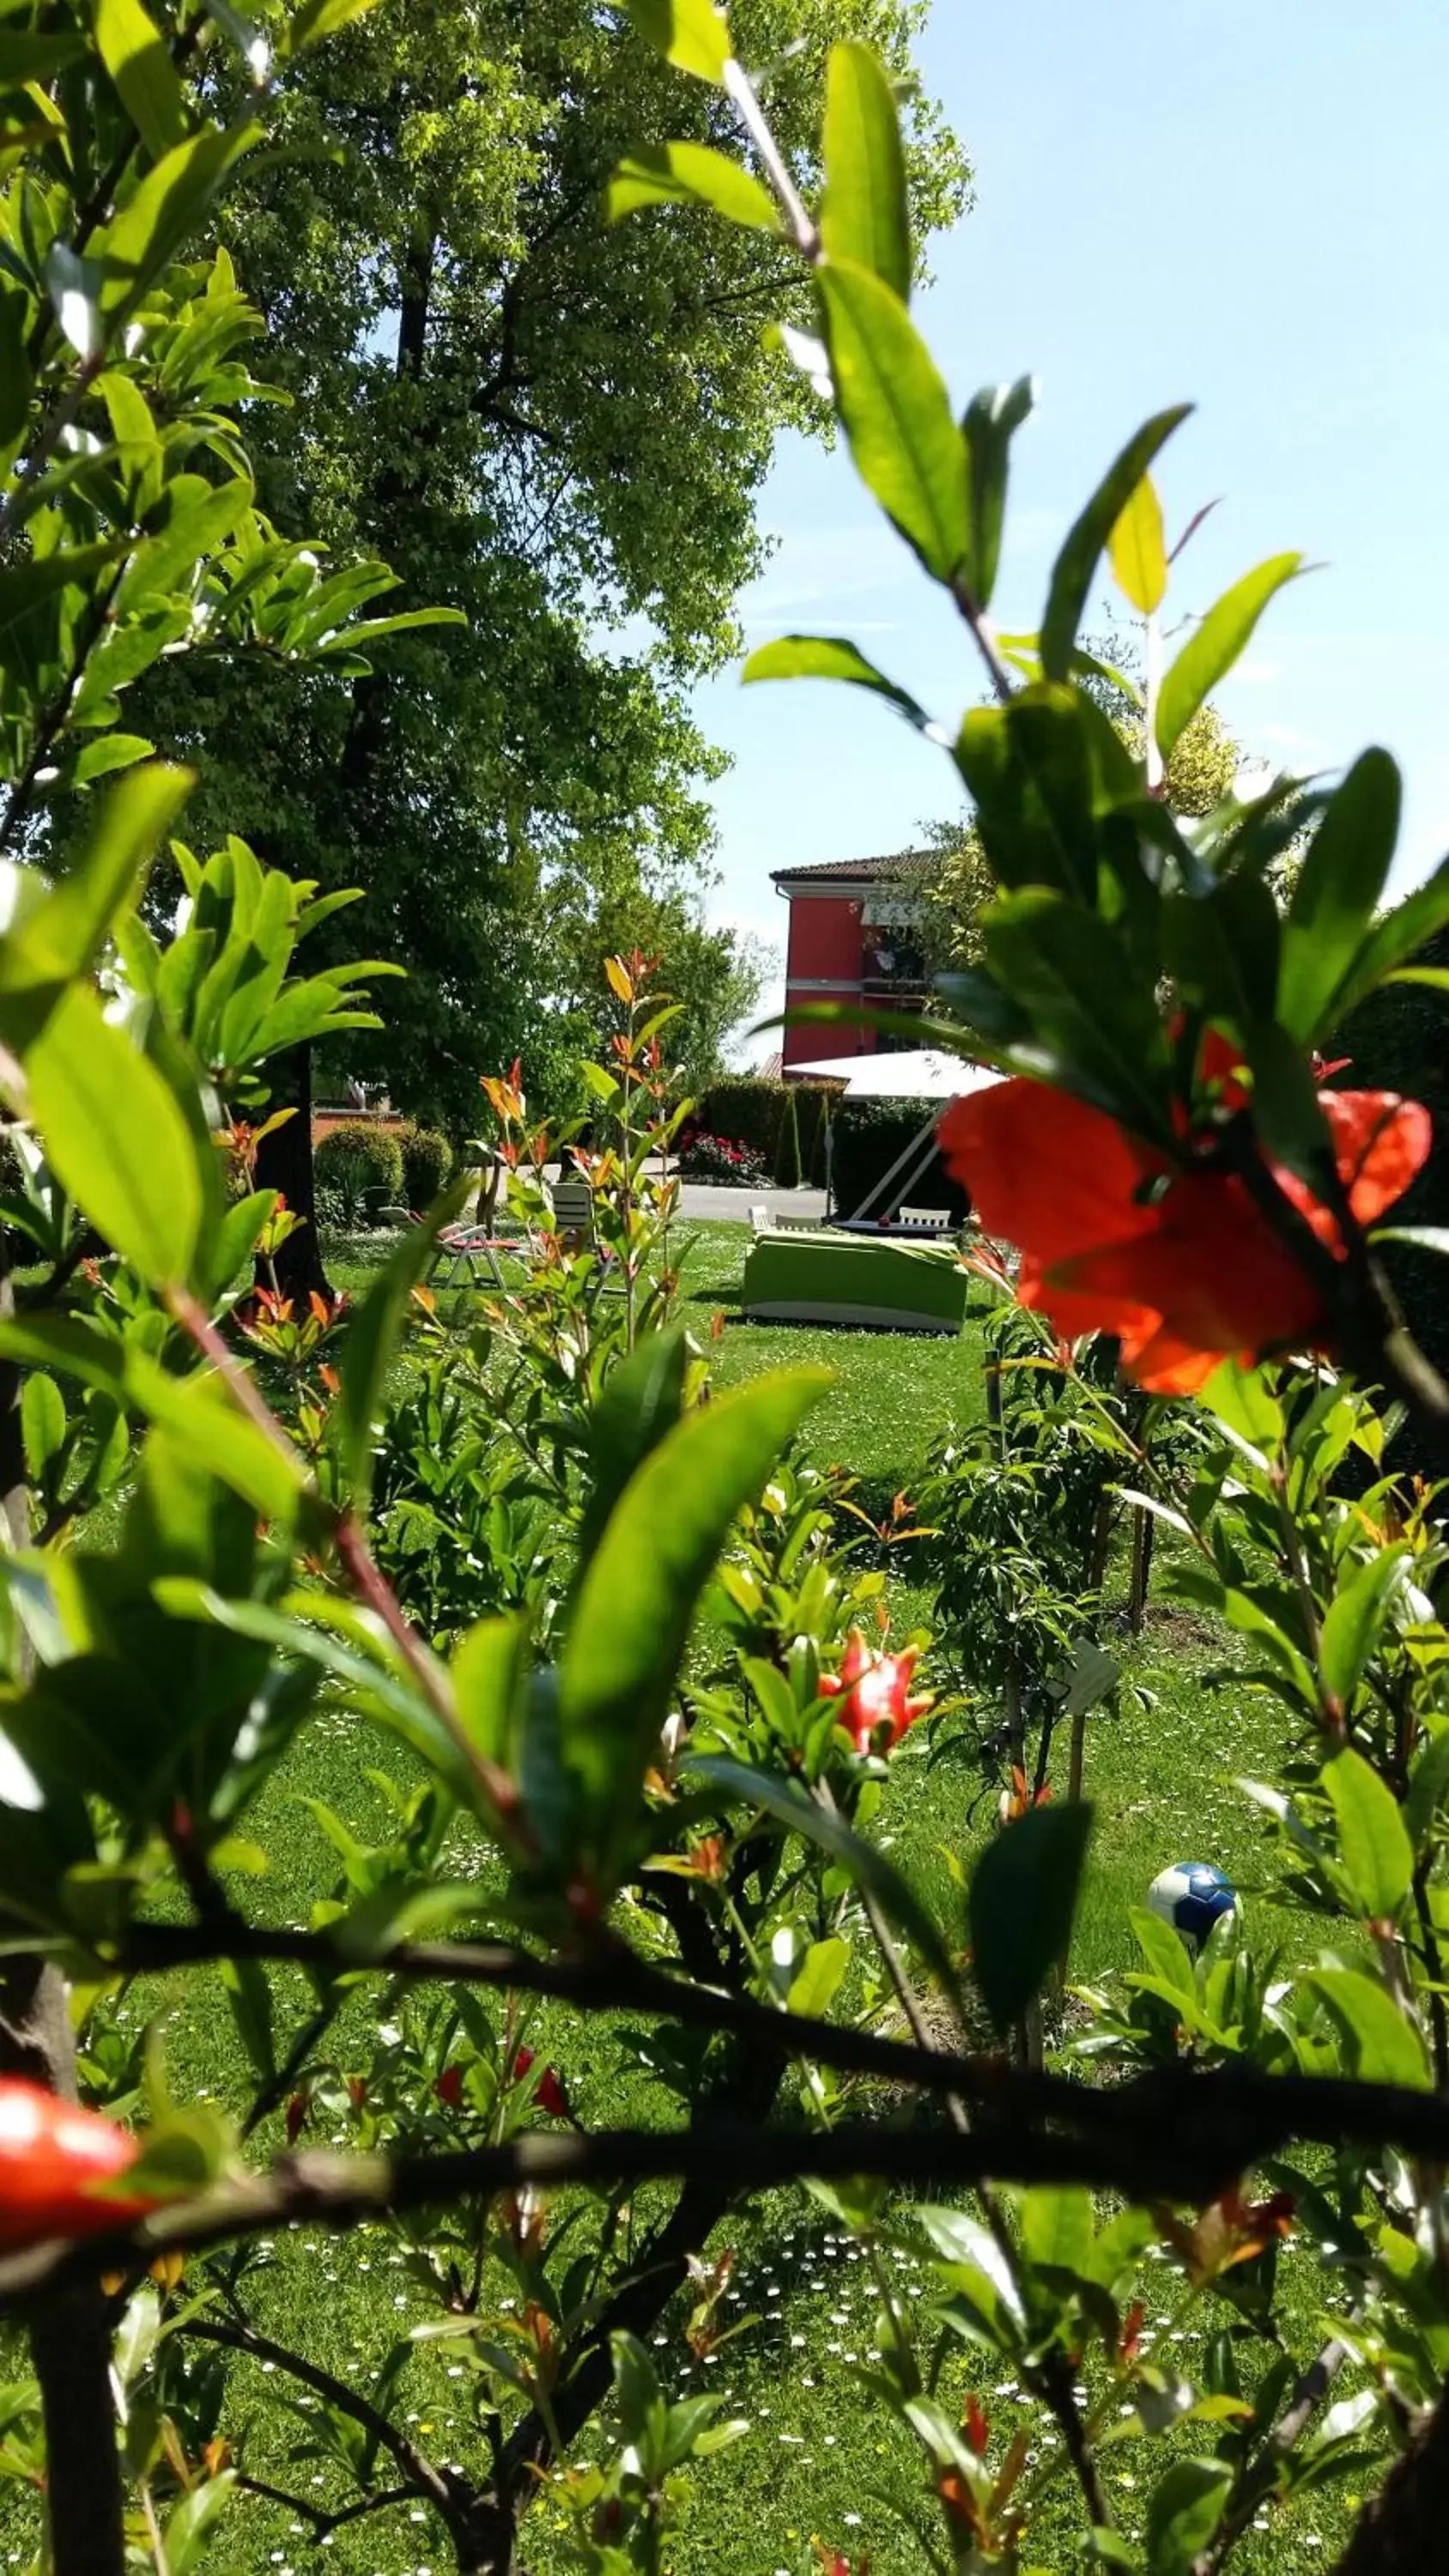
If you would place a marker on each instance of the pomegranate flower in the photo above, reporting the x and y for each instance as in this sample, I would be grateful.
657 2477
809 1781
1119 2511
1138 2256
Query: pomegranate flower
876 1706
549 2091
53 2155
1175 1258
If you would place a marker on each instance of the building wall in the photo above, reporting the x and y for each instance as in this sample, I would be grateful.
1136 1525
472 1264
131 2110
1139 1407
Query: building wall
823 964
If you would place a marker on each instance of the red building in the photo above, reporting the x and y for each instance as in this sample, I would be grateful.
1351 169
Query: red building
855 936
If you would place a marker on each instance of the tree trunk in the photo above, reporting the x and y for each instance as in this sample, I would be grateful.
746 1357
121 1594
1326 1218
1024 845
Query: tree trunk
284 1162
1401 2531
1144 1528
70 2338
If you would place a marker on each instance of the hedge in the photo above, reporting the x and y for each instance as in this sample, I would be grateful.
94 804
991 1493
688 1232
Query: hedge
753 1110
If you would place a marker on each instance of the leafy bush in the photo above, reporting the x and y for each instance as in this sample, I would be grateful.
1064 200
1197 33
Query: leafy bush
359 1169
427 1160
704 1157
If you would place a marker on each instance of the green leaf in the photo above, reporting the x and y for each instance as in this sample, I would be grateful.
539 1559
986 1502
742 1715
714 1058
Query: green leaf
487 1670
1427 1787
372 1339
793 1807
1429 1238
691 34
1186 2507
33 583
1354 1621
1075 569
106 754
1291 1126
1400 934
1372 1835
136 55
1022 1904
249 1993
1337 892
27 56
643 1399
198 1410
365 631
1072 975
865 214
634 1607
65 935
42 1423
1164 1950
150 228
1383 2046
319 18
991 421
897 416
1137 550
1210 654
116 1138
831 657
15 372
1056 2228
819 1981
189 2527
1243 1400
691 174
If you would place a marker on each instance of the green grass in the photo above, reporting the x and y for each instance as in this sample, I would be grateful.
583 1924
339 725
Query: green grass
820 2451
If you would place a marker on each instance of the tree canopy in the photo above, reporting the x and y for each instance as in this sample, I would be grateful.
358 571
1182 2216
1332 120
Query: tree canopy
559 429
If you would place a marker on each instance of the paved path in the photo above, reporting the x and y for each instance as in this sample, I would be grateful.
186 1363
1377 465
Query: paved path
701 1199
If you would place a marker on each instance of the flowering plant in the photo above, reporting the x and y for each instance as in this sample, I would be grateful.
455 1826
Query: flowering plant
706 1157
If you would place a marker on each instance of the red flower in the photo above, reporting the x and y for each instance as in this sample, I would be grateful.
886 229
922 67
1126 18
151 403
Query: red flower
874 1693
975 2426
549 2092
449 2088
1175 1259
53 2155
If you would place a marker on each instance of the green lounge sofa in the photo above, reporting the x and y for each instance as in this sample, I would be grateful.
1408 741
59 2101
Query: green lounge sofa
795 1278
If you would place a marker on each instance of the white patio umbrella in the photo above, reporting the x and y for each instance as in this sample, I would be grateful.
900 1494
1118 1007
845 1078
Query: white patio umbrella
917 1073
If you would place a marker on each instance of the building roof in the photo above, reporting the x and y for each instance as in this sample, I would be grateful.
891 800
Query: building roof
900 863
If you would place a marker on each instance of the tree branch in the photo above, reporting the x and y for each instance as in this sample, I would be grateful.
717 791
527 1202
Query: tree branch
1174 2135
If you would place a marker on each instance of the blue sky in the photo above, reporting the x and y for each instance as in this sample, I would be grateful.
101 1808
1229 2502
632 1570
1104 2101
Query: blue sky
1241 205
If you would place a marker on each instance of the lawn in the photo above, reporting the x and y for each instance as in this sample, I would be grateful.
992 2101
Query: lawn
820 2457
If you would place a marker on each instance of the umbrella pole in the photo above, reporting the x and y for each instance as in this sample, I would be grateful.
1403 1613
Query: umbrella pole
913 1162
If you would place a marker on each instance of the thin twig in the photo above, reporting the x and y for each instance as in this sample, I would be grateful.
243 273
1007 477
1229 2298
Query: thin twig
423 2476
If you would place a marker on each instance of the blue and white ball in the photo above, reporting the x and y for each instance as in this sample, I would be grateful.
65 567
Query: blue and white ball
1192 1896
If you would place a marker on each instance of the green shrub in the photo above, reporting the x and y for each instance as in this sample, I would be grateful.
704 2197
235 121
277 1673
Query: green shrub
359 1169
869 1137
427 1160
